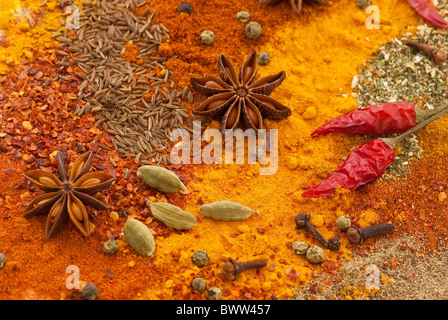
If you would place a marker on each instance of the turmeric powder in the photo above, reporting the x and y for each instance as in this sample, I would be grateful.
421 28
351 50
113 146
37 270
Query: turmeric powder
22 30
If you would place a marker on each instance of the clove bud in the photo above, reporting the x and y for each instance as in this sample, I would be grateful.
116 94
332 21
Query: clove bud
303 221
437 56
231 269
358 235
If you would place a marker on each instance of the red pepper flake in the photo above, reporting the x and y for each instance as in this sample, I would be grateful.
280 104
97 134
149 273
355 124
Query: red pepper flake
437 184
330 266
422 188
235 291
394 262
293 274
419 234
422 215
260 276
109 274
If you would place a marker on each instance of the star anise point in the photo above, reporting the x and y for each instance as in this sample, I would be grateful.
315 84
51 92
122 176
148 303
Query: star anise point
65 195
236 97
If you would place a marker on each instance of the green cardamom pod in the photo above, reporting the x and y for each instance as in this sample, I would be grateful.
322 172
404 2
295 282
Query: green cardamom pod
161 179
226 210
139 237
172 215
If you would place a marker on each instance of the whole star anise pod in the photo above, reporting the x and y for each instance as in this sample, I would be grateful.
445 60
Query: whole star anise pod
234 95
296 5
66 196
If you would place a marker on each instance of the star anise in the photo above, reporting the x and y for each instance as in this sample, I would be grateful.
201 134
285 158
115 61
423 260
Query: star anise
66 196
235 95
296 5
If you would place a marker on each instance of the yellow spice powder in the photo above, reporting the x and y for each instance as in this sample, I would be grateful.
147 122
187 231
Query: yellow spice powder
20 33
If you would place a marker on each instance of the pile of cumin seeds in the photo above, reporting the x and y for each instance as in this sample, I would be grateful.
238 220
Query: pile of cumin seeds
133 99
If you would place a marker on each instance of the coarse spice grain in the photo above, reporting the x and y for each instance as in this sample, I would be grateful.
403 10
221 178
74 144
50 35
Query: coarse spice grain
168 274
395 262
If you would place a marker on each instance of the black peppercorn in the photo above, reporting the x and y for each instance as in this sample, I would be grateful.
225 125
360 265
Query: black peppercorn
334 243
185 7
89 292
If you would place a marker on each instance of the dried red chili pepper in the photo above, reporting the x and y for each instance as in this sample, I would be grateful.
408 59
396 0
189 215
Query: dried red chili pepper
365 163
393 117
428 12
388 118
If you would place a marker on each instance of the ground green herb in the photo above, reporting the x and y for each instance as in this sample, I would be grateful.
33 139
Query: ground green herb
400 73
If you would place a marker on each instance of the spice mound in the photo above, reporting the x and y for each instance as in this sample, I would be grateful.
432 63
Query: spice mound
67 195
238 98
